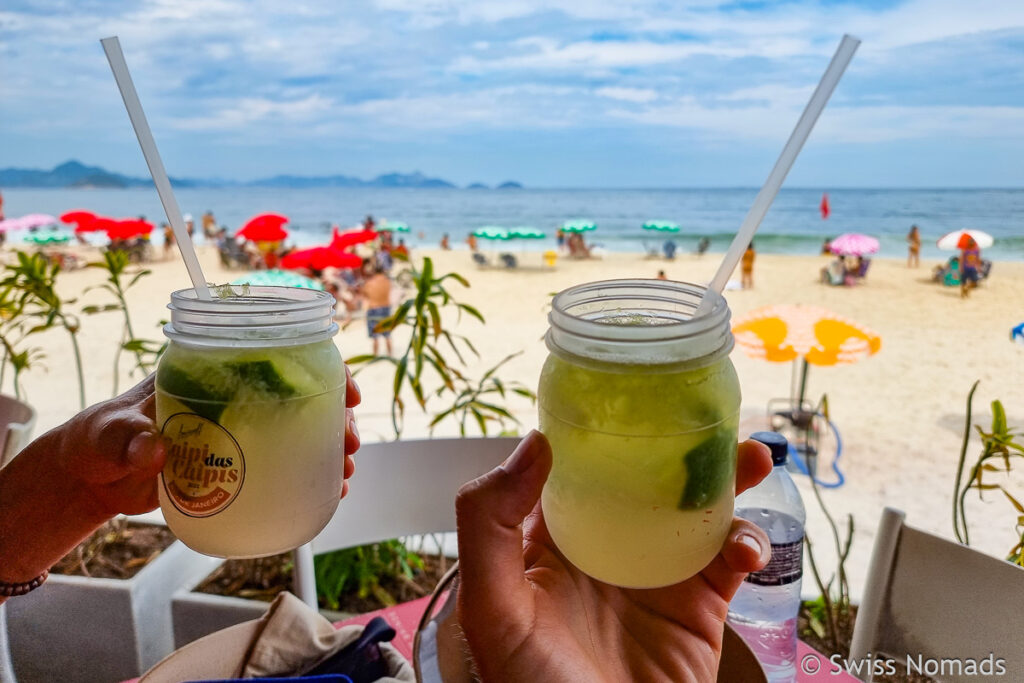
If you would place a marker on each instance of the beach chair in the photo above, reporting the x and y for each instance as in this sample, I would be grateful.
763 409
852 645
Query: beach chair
480 259
509 260
933 600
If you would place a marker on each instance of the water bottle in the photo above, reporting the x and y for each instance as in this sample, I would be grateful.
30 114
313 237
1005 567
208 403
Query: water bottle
764 610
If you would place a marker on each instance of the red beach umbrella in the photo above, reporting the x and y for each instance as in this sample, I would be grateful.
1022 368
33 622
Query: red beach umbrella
127 229
80 218
319 258
344 240
264 228
96 224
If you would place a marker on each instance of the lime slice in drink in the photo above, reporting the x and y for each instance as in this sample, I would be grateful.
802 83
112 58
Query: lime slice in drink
202 397
709 468
277 376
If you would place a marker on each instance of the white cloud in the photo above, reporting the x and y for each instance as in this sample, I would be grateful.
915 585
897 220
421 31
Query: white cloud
233 114
628 94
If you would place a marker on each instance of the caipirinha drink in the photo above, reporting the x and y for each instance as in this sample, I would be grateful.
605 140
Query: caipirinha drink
250 396
640 403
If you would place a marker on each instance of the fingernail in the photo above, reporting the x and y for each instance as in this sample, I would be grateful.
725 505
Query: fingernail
141 448
520 460
751 542
352 427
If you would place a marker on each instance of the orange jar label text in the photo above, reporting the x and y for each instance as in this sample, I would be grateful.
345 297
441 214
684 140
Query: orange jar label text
205 468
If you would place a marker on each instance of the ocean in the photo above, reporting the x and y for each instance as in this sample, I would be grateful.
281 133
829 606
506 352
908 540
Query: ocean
793 224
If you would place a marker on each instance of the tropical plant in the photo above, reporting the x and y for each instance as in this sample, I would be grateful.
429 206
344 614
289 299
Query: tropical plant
429 340
434 356
998 447
29 290
116 264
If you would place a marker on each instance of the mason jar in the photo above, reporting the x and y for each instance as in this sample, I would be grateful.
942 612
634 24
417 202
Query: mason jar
250 399
640 403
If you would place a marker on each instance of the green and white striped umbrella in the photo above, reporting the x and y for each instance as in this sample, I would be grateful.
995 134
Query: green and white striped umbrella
392 226
47 237
277 278
527 233
661 226
579 225
492 232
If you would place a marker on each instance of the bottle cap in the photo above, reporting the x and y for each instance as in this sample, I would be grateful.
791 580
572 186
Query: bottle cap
776 443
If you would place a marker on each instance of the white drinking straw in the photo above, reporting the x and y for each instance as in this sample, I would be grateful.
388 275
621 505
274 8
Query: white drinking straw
796 141
112 47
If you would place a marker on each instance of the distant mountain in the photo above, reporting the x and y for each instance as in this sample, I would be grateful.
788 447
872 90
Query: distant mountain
510 185
477 186
76 174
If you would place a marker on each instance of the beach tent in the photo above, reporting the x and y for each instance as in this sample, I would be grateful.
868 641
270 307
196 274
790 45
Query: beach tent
393 226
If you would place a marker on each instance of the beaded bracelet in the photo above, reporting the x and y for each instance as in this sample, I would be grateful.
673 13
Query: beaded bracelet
11 590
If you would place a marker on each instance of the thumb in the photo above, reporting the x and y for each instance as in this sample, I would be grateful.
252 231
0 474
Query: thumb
495 601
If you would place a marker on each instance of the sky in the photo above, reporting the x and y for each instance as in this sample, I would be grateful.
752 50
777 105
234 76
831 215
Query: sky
551 93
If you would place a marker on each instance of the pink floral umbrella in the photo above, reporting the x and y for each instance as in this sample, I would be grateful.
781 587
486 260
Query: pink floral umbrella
853 244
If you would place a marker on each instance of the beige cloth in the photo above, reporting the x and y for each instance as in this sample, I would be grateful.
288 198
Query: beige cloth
289 639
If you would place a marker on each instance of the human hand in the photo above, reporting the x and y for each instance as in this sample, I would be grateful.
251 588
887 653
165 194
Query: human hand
529 615
114 450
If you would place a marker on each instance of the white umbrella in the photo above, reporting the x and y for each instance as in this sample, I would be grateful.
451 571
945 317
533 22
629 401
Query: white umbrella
951 242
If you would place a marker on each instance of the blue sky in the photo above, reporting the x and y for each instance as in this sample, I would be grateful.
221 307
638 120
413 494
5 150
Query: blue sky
553 93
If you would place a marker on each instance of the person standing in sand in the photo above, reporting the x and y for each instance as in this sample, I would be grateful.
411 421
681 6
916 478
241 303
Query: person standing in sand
747 268
913 247
471 241
445 244
377 291
209 226
970 264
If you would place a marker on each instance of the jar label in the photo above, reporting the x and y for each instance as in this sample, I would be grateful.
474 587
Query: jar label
205 468
785 567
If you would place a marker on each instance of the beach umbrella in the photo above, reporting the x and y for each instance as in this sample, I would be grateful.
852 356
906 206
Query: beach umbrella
128 228
318 258
661 226
32 220
492 232
579 225
807 334
265 227
277 278
44 237
958 239
79 217
393 226
526 233
1017 334
344 240
853 244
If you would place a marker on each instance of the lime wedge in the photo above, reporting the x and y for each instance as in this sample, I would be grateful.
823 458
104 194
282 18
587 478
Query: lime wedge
199 396
709 468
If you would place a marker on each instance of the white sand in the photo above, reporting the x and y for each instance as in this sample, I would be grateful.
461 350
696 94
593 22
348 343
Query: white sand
900 412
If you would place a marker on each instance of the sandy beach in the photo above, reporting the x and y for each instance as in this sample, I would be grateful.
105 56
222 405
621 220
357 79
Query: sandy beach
900 412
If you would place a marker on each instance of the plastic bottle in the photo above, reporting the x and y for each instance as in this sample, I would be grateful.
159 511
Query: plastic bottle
764 610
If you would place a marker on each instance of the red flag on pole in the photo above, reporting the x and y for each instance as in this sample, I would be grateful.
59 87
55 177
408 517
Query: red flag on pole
825 208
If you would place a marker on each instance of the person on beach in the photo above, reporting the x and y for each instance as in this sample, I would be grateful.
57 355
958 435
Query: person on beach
703 245
369 223
661 275
209 225
826 247
913 247
471 241
105 461
445 244
377 291
669 249
190 224
1 206
560 237
970 265
747 267
401 251
168 240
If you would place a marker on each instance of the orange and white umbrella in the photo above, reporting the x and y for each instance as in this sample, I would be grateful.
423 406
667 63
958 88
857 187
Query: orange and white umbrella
790 332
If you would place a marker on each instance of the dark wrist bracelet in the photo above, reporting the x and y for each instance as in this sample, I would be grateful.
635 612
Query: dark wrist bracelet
11 590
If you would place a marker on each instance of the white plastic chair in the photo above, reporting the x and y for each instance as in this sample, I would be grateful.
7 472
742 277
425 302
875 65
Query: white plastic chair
934 599
401 488
16 422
